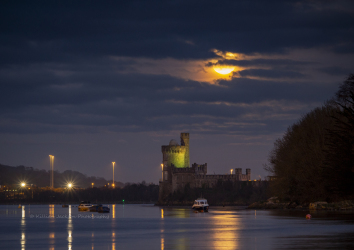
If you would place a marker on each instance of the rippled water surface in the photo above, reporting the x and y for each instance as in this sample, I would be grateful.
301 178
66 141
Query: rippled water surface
150 227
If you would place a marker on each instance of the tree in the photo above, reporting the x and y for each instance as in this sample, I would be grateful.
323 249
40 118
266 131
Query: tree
315 158
297 159
339 164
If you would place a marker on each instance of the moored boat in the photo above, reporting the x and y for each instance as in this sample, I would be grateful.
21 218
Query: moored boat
103 209
201 204
85 206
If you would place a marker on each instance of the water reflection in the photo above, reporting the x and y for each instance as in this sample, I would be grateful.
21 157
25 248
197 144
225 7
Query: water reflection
92 239
113 240
162 224
23 229
51 240
113 211
176 212
51 213
70 230
226 233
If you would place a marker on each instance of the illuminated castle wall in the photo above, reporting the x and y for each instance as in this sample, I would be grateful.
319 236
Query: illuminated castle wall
177 155
177 171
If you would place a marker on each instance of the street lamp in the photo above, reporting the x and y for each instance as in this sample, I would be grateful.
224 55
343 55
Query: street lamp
51 158
231 170
70 185
162 171
23 184
113 173
92 184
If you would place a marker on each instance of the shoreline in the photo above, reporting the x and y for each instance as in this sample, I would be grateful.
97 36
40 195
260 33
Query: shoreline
314 206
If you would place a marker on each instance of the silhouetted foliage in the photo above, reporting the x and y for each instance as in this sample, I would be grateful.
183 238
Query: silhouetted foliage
314 159
339 165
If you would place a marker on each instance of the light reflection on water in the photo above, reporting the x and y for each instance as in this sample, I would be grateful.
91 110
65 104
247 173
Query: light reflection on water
228 226
23 228
150 227
69 228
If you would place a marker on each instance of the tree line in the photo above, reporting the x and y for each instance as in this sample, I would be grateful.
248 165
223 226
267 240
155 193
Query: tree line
13 176
130 193
314 160
224 193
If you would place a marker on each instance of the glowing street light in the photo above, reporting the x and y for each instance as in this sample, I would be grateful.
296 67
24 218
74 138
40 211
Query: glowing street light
231 170
23 184
162 171
70 185
92 184
51 158
113 173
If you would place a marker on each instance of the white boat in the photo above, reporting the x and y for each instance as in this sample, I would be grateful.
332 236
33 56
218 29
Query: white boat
85 206
201 204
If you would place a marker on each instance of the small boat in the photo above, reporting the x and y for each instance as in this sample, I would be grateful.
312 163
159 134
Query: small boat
85 206
201 204
102 209
95 208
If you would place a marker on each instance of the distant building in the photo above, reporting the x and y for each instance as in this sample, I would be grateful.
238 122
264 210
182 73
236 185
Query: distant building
176 170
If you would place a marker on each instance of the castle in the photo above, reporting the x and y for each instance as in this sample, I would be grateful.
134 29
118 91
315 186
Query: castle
176 170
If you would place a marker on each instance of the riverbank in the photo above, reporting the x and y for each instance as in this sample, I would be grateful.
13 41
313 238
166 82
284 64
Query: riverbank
320 205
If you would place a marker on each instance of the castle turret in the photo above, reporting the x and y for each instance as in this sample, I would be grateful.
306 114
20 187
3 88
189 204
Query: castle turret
185 142
248 173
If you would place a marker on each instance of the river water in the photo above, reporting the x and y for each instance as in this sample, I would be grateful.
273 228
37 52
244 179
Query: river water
150 227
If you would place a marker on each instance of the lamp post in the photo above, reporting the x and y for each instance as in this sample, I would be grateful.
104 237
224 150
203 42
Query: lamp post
231 171
51 158
113 173
162 171
92 184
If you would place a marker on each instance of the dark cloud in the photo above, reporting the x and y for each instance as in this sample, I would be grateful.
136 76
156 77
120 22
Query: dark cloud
336 71
271 73
40 31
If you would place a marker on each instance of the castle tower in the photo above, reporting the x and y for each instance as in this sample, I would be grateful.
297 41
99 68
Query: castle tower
248 173
238 174
185 142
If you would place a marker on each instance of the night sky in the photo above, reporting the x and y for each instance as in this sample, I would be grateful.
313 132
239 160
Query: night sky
92 82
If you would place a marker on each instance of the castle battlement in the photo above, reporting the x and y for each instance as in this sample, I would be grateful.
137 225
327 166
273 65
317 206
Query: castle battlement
173 149
182 170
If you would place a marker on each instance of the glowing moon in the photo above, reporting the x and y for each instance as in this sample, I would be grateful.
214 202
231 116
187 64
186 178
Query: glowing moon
224 70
